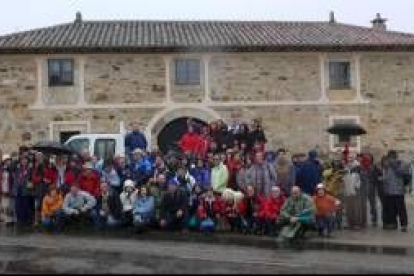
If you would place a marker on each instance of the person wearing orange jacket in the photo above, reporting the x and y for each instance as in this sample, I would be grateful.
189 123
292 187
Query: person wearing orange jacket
326 206
52 208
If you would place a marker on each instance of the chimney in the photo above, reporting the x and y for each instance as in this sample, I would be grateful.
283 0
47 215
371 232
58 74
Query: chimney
78 17
379 23
332 17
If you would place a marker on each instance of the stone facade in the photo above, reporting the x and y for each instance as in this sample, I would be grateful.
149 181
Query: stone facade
124 79
288 91
265 77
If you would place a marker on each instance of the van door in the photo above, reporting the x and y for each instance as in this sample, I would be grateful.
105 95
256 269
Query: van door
104 148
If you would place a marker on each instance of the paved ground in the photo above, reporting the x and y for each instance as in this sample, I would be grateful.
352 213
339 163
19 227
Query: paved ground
372 250
37 253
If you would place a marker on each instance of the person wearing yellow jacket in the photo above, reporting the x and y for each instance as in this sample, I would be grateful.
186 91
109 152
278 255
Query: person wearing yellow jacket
52 208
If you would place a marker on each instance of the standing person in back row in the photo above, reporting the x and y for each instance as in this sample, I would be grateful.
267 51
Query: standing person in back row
135 140
262 175
394 206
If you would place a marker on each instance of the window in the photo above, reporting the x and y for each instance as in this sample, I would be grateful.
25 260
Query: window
339 141
339 75
79 145
65 135
187 72
105 148
60 72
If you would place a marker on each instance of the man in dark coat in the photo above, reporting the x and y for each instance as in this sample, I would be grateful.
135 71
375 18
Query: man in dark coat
309 173
173 209
108 208
135 140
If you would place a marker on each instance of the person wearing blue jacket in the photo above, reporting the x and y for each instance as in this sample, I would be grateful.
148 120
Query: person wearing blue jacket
144 210
309 173
141 168
202 174
135 140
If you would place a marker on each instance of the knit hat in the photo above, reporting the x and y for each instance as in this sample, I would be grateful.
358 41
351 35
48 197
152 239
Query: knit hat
320 186
129 183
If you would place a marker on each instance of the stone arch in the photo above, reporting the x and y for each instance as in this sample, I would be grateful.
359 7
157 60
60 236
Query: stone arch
162 118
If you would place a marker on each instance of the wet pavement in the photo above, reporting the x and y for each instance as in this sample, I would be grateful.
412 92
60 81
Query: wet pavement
90 253
372 250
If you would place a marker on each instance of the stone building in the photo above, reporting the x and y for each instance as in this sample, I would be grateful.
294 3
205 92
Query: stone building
298 77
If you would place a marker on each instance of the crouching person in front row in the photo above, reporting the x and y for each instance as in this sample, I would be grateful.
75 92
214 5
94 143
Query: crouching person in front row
297 215
108 211
144 210
78 206
326 206
51 212
173 211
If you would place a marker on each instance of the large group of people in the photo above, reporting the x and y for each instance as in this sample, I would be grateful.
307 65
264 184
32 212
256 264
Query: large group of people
222 178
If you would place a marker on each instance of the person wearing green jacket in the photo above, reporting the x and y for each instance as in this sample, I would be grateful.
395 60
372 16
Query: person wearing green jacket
297 214
219 175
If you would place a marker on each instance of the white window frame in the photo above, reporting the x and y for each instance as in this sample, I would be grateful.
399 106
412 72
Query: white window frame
68 126
352 76
332 137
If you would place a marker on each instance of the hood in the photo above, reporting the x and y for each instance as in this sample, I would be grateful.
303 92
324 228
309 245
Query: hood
313 154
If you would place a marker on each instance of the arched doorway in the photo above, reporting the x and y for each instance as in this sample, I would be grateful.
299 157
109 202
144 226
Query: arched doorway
171 133
177 111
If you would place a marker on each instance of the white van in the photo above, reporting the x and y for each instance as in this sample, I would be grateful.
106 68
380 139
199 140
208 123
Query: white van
100 145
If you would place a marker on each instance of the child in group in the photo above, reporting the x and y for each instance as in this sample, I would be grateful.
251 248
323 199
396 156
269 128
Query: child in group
251 211
326 206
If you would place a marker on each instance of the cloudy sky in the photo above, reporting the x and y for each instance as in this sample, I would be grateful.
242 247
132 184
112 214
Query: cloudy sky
20 15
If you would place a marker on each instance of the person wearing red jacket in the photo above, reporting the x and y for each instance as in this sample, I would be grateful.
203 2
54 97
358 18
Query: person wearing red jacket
234 164
251 212
89 180
272 207
190 142
212 206
204 142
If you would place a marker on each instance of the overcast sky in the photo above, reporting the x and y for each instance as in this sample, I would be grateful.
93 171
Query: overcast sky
20 15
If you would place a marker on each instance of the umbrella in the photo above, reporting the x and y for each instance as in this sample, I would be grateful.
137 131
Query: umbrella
54 148
348 129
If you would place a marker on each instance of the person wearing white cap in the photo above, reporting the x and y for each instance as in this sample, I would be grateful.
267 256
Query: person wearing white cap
141 168
326 206
128 197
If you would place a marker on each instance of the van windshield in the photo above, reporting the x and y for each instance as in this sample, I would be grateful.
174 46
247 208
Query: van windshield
79 145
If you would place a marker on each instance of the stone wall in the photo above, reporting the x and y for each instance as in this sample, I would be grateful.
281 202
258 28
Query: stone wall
265 77
124 79
18 90
387 81
187 93
61 95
